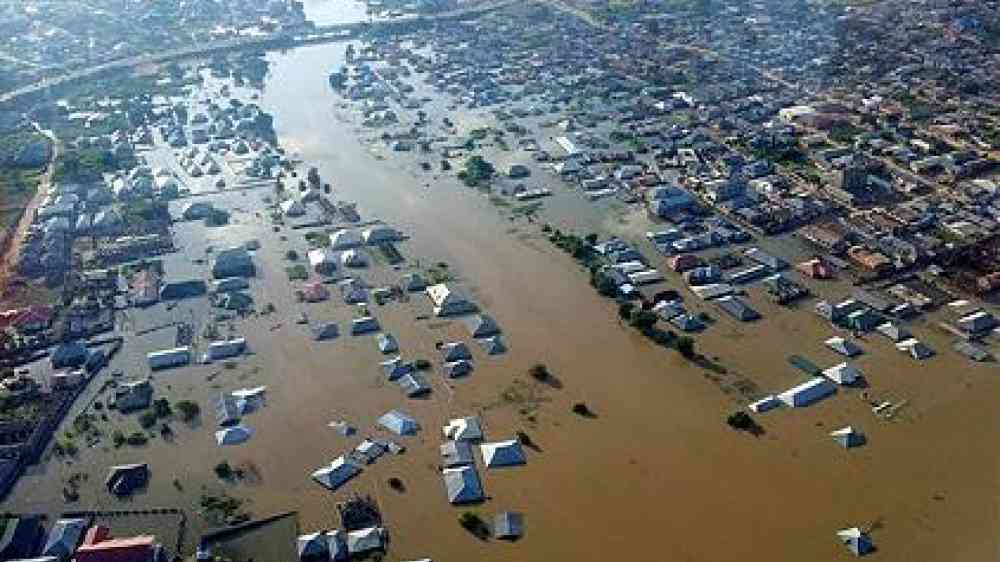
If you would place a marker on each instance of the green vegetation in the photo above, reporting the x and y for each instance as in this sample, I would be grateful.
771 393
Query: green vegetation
476 172
685 346
86 165
224 471
189 410
318 239
391 254
297 272
473 523
147 419
140 211
845 133
137 439
539 372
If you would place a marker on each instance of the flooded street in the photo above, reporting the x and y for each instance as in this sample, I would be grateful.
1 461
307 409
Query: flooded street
655 475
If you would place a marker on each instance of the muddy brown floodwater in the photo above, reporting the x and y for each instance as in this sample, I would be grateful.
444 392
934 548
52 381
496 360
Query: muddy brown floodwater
655 476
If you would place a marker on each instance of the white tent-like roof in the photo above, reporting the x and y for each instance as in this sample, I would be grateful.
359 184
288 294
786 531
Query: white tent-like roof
292 208
364 540
448 301
856 540
847 437
915 348
493 345
454 351
337 473
843 346
387 343
843 373
464 429
455 369
354 258
233 435
396 367
483 326
502 453
312 546
345 239
399 423
462 485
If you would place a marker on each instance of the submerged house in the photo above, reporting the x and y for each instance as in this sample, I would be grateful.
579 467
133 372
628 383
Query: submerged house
502 453
808 392
233 262
464 429
455 351
456 453
399 423
843 346
848 437
843 373
462 485
336 474
364 325
449 301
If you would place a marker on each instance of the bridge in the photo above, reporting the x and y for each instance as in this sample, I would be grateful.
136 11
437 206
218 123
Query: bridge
281 39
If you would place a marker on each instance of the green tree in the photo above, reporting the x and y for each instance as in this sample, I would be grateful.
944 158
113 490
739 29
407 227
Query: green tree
685 346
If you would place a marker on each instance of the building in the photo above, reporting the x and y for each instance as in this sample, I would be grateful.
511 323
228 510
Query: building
456 453
848 437
399 423
502 453
462 485
811 391
133 395
337 473
233 262
843 374
508 525
124 479
449 301
99 546
843 346
323 261
463 429
65 536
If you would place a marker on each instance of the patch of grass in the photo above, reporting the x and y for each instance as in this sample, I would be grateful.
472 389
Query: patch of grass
473 523
297 272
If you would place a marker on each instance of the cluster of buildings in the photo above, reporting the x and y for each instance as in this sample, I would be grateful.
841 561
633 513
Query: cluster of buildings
54 35
73 539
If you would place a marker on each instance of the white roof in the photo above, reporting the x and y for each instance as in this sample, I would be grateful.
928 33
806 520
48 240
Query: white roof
462 484
843 346
502 453
344 239
766 403
234 435
459 429
336 473
364 540
454 351
399 423
843 373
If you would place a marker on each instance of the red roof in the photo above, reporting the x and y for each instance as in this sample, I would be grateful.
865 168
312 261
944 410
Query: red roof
98 546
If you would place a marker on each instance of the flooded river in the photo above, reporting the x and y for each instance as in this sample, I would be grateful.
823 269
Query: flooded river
656 475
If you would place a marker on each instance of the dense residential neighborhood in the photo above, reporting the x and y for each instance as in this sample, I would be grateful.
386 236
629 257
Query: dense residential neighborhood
344 243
